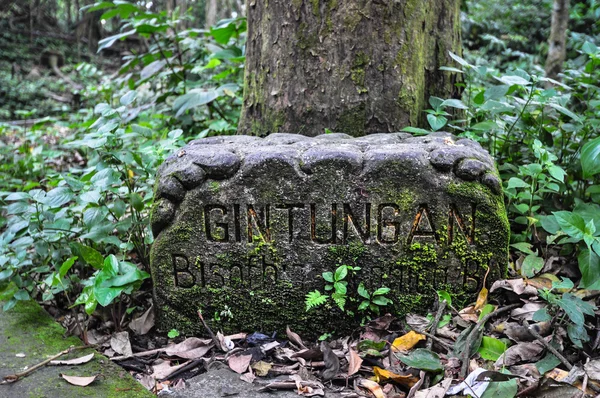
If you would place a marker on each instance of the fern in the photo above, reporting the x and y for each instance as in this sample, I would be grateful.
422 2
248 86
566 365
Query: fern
340 299
314 299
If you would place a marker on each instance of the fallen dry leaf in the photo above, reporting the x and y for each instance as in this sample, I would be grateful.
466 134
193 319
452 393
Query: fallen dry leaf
354 362
190 348
373 387
385 375
470 386
518 286
418 322
262 368
294 338
437 391
408 341
76 361
526 312
226 343
120 344
469 314
522 352
144 323
239 363
483 294
592 369
79 380
248 377
164 369
310 355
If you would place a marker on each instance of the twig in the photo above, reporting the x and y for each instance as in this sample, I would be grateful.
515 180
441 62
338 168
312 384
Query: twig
467 352
418 385
210 333
15 377
435 323
185 368
547 345
139 354
434 338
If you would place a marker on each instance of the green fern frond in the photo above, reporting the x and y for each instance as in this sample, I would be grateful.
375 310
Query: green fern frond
314 299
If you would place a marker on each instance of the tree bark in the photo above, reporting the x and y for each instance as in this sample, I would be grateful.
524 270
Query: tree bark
352 66
69 15
557 52
211 13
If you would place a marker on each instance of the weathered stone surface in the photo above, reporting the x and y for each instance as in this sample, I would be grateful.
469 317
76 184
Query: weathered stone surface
260 220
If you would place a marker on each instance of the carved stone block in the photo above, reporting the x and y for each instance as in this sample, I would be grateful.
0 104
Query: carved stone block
246 226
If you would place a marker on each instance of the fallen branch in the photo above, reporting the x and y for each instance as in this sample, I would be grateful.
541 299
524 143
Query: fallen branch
139 354
210 332
467 352
549 347
17 376
435 323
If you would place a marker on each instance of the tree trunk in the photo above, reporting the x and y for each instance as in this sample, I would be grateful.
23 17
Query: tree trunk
69 17
352 66
211 13
557 51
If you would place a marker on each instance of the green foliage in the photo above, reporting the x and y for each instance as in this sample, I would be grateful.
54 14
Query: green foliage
573 308
423 359
173 333
491 348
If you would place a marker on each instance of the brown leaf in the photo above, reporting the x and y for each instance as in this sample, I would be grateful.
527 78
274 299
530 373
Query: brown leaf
483 294
373 387
408 341
164 369
294 338
248 377
190 348
526 311
310 355
417 322
437 391
262 368
385 375
354 362
76 361
239 363
469 314
79 380
144 323
515 285
120 344
226 344
332 362
522 352
592 369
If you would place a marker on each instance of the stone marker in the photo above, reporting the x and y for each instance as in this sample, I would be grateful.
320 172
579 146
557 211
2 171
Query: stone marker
246 226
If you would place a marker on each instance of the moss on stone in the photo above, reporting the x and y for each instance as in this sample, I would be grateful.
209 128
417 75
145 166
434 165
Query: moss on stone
353 120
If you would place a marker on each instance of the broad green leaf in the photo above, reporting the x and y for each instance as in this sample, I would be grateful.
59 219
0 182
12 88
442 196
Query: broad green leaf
557 172
454 103
22 295
416 130
444 295
363 292
487 309
128 98
495 92
193 99
436 122
515 182
564 111
90 197
90 255
590 158
541 315
137 202
571 223
328 276
381 291
223 34
523 247
547 363
371 345
491 348
578 335
532 265
109 41
341 272
513 80
589 265
575 308
501 389
152 69
58 197
423 359
460 60
485 126
66 266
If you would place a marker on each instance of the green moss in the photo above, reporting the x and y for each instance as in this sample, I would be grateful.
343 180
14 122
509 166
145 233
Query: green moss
28 328
315 7
351 20
357 72
353 121
214 186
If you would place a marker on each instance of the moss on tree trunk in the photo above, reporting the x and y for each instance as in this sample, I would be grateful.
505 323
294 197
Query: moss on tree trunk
353 66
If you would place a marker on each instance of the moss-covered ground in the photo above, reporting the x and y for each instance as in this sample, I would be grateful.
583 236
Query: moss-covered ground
27 329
